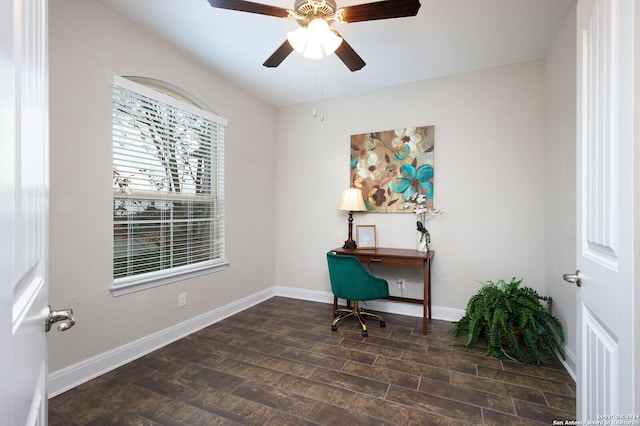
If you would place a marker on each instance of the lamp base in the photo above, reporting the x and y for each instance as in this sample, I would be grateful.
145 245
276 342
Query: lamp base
350 244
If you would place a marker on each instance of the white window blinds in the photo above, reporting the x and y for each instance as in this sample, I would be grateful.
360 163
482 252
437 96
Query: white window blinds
168 185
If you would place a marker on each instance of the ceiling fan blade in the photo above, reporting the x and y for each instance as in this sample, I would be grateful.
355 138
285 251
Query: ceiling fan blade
380 10
279 55
247 6
351 59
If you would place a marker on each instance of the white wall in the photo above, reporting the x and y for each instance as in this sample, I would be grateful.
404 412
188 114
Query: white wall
87 47
560 177
489 180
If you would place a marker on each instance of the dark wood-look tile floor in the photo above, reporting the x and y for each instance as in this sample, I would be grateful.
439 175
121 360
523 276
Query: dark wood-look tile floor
279 363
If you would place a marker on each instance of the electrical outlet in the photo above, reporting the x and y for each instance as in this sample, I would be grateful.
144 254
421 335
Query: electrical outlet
182 300
401 283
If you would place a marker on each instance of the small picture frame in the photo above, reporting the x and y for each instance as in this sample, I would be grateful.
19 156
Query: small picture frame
366 237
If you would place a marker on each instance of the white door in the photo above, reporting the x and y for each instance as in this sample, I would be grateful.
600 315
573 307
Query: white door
23 212
606 319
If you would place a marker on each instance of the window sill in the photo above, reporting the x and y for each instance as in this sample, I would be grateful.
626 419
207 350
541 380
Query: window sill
128 285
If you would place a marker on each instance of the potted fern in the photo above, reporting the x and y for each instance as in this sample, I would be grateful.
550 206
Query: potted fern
514 321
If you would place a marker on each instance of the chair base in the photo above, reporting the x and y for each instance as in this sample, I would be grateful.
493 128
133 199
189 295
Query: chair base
359 314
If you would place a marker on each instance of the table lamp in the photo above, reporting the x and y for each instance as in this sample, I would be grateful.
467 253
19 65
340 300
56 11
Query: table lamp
351 201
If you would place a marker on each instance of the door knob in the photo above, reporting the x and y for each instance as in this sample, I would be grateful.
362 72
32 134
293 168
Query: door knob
64 317
573 278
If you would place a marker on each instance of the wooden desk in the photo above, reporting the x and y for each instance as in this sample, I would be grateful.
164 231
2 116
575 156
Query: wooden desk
404 258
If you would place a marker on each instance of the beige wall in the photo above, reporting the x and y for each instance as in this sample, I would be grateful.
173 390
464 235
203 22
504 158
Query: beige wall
285 171
87 47
489 180
560 177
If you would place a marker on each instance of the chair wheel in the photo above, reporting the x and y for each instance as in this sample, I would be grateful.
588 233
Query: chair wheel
334 328
383 324
365 333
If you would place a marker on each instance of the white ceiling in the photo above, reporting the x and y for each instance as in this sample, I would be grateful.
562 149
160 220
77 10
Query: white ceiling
446 37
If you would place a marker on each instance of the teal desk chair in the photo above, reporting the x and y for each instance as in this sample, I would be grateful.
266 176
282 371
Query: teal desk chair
350 281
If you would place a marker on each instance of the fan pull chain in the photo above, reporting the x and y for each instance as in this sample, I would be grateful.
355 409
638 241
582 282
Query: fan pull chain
315 115
315 87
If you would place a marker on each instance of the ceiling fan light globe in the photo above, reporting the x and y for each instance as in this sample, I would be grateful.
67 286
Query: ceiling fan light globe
298 39
313 50
315 40
331 42
318 27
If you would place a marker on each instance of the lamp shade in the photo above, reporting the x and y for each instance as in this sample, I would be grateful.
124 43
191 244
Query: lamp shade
352 201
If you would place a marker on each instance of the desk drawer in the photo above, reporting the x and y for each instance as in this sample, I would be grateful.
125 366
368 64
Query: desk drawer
392 261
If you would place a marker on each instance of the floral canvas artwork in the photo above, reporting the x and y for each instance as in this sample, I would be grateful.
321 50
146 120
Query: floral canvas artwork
393 166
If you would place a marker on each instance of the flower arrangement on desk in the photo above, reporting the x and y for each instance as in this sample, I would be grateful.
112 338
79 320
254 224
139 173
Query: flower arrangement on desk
418 202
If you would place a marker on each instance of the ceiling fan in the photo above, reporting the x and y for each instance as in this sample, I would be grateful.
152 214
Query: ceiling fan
315 16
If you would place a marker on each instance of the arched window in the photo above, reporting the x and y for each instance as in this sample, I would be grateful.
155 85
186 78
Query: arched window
168 185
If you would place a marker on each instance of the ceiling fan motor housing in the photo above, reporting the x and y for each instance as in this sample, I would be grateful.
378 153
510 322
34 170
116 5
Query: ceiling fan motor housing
307 10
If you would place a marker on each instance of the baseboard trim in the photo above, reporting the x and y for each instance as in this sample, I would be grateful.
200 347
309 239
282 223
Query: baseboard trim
69 377
393 307
569 362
